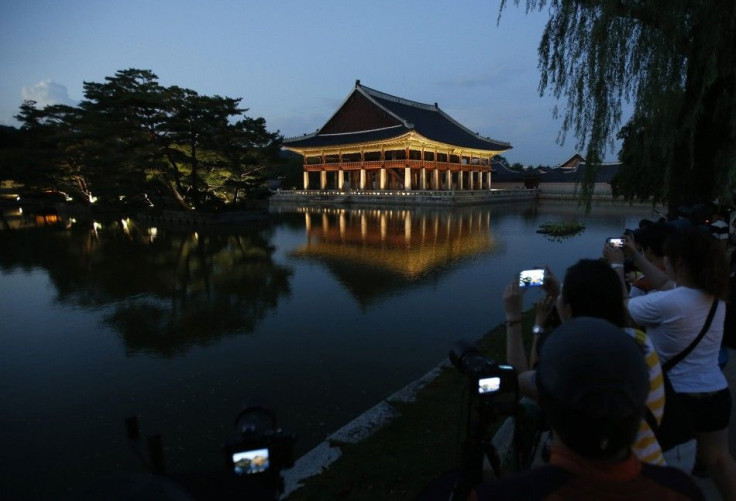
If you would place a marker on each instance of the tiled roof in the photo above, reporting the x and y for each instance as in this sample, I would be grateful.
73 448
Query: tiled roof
505 175
426 119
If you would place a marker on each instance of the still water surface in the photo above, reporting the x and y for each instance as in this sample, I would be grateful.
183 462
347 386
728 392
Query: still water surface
319 316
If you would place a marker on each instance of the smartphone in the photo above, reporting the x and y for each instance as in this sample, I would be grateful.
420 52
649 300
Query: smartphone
489 385
615 242
531 278
249 462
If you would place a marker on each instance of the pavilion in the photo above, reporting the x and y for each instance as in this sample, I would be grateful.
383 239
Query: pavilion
376 141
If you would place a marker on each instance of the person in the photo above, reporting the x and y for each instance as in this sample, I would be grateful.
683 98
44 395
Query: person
697 269
590 289
647 244
593 385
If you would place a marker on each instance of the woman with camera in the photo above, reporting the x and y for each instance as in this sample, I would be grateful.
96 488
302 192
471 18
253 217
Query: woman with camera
690 316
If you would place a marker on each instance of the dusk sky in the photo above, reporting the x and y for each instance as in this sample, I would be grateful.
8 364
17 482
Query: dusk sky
294 62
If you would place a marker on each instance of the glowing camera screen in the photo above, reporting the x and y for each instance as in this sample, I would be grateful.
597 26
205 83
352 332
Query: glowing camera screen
531 278
489 385
249 462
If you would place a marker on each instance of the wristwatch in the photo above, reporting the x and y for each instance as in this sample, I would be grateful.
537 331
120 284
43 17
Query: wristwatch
537 330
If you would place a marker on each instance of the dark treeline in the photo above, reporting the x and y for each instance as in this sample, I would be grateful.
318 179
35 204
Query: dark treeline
131 136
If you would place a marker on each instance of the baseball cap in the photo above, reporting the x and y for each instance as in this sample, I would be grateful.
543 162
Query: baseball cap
593 384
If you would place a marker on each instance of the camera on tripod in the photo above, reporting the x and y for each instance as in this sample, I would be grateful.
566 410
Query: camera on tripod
493 385
260 449
494 394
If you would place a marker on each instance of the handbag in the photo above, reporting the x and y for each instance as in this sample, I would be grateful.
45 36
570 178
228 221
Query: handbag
676 426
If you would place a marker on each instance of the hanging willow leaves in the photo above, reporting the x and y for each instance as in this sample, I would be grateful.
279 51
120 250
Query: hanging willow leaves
675 61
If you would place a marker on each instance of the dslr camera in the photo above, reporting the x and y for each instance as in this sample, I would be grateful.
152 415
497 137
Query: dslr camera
492 385
260 449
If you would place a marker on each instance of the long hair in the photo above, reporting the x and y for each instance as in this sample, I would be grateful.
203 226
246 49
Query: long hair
702 258
593 289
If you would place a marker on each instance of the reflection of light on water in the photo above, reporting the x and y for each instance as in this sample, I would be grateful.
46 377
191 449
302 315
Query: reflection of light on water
152 233
124 223
411 243
43 219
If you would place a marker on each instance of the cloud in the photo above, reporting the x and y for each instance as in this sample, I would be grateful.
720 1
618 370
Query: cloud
47 92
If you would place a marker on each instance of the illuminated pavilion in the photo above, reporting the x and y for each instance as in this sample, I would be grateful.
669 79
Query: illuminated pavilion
376 141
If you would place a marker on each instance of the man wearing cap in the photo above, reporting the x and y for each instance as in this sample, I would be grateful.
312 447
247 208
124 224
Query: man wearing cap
593 384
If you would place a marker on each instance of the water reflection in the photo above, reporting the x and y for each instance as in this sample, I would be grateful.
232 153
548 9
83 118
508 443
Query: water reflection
165 291
376 251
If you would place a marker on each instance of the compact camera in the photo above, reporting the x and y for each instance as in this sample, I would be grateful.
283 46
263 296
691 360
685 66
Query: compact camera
531 278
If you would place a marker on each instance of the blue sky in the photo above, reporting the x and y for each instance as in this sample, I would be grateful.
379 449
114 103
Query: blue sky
293 62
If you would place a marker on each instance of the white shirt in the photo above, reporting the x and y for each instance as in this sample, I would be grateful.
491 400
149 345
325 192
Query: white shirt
673 319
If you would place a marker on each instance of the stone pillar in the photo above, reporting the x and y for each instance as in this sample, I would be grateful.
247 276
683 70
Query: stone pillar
436 179
407 179
341 179
460 184
449 179
488 177
423 178
323 180
471 181
362 179
383 178
306 180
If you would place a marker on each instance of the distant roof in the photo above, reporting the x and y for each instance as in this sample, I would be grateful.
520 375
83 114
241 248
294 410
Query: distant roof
371 115
501 173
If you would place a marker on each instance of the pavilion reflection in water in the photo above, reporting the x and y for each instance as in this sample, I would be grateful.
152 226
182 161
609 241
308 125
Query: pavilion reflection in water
376 250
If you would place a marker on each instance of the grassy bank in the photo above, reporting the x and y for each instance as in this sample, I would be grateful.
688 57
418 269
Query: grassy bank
424 442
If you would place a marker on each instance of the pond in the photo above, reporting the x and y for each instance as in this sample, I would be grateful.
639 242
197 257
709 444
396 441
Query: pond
319 316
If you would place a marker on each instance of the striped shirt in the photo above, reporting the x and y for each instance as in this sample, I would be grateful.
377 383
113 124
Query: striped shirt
645 446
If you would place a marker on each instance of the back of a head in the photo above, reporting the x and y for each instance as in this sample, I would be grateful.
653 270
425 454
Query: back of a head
593 289
654 236
593 384
700 255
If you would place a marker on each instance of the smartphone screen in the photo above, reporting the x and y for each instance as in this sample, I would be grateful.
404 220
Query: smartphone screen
531 278
249 462
489 385
616 242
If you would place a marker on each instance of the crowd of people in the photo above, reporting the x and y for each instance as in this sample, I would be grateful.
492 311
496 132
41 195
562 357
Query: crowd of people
626 365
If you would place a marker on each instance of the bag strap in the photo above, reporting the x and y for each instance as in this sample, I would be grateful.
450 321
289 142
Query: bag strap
669 364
